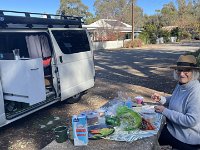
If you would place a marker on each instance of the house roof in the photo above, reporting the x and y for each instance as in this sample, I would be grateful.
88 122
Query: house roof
115 23
109 24
169 28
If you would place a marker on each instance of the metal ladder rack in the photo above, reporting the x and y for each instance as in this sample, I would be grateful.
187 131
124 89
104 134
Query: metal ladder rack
44 19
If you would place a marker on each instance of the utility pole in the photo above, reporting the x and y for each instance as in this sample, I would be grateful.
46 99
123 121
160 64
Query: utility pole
132 21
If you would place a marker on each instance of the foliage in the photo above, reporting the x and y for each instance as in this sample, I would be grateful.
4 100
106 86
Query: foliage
134 43
138 16
109 9
153 20
184 14
119 10
153 31
144 36
75 8
109 35
197 55
168 14
175 32
112 36
185 35
90 19
165 34
196 36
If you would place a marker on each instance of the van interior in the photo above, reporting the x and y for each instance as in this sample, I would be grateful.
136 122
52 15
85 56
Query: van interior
30 45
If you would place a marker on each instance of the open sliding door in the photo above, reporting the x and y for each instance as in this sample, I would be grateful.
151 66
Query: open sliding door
74 60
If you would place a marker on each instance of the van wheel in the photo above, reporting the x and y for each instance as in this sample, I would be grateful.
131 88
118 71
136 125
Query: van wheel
75 98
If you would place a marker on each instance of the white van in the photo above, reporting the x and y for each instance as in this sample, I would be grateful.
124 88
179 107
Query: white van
42 61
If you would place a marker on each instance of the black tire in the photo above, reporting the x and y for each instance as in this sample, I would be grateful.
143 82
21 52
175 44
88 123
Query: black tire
74 99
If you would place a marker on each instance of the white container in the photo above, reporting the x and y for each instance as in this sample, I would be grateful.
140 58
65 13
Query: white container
80 132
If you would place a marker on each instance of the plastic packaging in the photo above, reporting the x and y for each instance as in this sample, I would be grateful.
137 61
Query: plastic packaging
92 117
129 103
122 96
101 116
149 117
111 111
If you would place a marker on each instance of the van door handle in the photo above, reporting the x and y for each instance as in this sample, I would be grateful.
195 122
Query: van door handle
56 70
35 69
61 60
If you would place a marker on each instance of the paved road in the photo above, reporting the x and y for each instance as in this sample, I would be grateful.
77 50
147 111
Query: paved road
147 67
135 71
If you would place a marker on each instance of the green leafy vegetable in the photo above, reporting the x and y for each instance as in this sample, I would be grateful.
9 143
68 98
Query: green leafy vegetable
113 121
129 119
98 133
106 131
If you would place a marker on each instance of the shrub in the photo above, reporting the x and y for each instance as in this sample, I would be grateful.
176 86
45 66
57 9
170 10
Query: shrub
152 38
185 35
197 55
175 32
144 36
196 36
165 34
135 43
152 31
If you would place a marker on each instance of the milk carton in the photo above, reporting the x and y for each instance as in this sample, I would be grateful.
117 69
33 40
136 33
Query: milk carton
80 132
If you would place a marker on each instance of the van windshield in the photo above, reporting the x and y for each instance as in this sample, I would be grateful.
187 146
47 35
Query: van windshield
72 41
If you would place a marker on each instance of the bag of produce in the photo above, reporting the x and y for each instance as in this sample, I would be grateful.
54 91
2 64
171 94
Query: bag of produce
129 119
113 121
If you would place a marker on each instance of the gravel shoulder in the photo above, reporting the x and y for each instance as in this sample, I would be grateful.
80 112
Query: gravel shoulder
140 71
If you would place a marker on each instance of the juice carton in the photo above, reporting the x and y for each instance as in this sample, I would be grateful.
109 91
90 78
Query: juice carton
80 132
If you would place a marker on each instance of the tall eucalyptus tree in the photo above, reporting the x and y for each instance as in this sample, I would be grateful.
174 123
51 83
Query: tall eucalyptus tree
75 8
119 10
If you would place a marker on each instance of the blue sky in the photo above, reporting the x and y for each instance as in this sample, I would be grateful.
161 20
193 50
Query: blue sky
50 6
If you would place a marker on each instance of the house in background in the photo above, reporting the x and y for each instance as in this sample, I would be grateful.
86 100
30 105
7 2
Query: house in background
110 30
169 28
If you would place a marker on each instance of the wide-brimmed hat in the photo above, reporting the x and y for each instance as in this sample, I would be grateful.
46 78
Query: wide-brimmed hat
186 61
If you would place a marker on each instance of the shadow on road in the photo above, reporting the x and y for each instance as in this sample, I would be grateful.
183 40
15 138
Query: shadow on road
147 68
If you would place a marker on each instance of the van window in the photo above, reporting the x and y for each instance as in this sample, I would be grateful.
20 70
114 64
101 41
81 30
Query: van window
27 43
72 41
11 41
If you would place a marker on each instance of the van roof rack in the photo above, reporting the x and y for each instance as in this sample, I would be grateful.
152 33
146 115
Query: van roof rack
31 19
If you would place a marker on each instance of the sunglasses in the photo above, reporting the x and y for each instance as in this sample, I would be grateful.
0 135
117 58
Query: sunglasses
183 70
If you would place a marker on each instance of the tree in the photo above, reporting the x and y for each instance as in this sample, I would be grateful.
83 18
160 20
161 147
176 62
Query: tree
154 19
168 14
185 16
138 16
75 8
119 10
110 9
188 17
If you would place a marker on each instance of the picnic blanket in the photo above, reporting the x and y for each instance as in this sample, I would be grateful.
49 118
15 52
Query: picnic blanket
130 136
